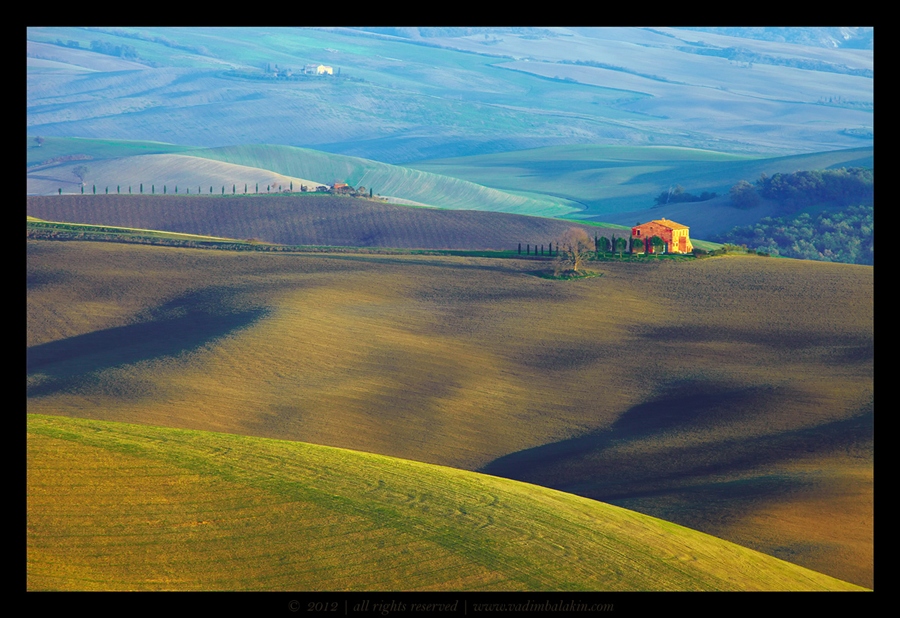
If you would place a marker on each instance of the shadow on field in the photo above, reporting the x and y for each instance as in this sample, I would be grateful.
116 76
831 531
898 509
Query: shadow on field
179 326
489 264
704 455
854 346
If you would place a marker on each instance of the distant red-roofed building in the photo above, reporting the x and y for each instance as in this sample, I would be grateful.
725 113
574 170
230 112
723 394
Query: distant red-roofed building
674 235
340 187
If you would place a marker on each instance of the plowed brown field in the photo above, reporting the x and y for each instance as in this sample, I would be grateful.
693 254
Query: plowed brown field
733 394
309 220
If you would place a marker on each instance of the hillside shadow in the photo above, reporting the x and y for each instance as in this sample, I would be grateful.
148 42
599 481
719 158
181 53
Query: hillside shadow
181 325
623 464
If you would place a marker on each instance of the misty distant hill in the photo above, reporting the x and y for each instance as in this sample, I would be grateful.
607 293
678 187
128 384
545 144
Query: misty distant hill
400 95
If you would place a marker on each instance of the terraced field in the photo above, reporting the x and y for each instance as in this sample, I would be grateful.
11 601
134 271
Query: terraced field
114 506
733 395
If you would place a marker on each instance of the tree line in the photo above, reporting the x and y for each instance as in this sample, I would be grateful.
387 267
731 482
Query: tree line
677 194
845 235
843 186
81 171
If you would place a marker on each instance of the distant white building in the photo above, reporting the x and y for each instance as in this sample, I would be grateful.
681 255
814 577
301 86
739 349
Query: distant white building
318 69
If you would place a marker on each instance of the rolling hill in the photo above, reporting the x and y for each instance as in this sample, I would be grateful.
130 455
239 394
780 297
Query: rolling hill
411 96
121 165
303 219
608 184
617 184
210 511
736 400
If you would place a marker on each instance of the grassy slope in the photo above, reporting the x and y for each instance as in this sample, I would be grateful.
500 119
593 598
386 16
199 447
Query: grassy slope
211 511
614 184
114 163
158 172
609 180
93 149
767 364
384 179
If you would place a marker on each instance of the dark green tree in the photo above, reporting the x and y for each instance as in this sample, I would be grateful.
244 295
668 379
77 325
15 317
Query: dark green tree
743 195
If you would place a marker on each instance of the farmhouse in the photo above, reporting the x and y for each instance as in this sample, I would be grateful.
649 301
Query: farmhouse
674 235
340 187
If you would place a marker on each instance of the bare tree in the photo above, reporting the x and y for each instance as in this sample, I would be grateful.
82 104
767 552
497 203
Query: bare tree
80 171
574 248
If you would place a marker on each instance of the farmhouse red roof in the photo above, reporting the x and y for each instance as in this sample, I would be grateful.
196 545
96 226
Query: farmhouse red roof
669 224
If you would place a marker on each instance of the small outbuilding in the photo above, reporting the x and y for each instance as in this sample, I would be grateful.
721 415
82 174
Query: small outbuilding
674 236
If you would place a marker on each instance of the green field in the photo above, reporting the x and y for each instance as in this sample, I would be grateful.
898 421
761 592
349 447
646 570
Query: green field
738 403
589 183
119 165
114 506
607 180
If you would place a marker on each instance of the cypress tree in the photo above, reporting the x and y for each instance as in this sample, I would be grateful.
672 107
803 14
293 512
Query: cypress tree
142 188
164 189
60 190
107 190
117 190
94 189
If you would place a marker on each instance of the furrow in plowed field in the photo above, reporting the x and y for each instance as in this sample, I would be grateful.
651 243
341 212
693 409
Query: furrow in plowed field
309 220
